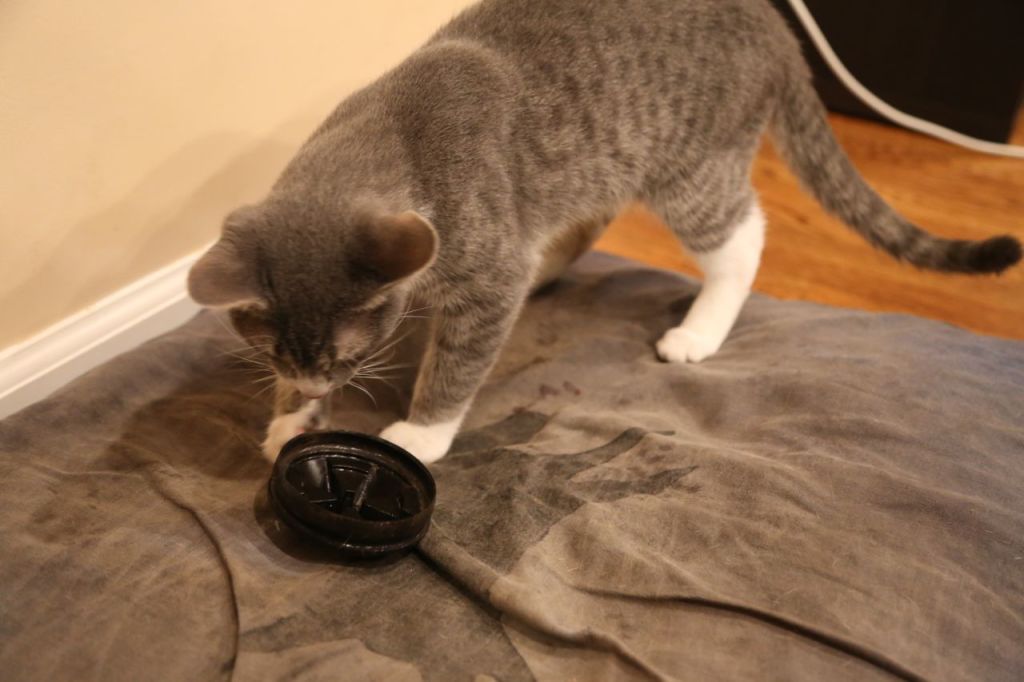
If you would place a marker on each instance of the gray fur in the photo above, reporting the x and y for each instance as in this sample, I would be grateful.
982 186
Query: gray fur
516 122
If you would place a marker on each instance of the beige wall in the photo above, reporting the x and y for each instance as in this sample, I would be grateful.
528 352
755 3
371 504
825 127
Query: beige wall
128 129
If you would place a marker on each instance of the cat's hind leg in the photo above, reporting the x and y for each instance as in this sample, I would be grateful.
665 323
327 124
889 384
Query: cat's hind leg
729 270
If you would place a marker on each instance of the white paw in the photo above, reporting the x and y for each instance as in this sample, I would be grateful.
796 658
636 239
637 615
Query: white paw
282 429
683 345
427 443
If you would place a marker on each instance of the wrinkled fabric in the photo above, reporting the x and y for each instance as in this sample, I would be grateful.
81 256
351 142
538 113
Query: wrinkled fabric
834 495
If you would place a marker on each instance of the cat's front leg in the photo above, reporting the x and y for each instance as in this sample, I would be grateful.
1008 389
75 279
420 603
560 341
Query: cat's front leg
466 339
429 442
293 414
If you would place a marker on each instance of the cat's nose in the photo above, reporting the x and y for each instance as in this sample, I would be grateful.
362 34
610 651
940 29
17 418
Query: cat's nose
313 389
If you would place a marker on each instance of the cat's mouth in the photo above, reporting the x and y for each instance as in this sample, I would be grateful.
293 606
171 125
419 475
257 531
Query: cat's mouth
313 389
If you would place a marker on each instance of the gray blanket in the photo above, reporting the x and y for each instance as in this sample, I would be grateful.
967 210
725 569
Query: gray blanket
835 495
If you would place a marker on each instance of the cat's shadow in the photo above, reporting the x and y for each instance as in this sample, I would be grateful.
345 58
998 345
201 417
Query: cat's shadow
203 438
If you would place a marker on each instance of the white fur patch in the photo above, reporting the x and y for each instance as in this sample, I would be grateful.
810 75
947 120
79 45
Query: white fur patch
729 272
683 345
312 387
428 443
287 426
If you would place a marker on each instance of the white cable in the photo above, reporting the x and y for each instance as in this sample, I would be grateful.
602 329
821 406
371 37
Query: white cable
886 110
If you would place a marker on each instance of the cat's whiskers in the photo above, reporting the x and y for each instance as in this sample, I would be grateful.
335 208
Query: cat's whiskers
250 361
409 314
390 345
378 377
261 368
375 370
385 379
374 360
380 365
378 361
376 373
248 353
397 365
257 372
261 392
357 385
224 325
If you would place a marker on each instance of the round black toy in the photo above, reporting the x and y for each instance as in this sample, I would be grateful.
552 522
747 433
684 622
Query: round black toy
361 495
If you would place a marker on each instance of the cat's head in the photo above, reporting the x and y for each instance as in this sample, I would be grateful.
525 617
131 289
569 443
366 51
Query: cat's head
316 293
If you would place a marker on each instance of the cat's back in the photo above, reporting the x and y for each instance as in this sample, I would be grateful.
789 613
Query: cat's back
636 66
533 29
618 87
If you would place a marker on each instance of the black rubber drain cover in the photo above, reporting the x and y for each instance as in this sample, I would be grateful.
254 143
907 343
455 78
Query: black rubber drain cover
361 495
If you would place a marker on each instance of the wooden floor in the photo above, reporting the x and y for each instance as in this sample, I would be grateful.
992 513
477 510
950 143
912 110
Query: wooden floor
811 256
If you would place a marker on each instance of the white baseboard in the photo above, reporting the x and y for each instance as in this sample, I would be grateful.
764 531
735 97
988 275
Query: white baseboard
33 369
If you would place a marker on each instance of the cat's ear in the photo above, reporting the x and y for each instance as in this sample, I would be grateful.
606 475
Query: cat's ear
402 245
222 278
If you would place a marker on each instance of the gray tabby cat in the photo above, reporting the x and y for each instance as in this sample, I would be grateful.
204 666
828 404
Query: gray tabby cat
494 155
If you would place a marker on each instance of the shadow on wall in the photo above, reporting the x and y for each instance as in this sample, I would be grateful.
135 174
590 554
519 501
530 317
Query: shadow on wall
166 216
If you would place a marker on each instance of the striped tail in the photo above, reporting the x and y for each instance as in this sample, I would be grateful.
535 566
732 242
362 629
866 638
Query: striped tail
803 133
